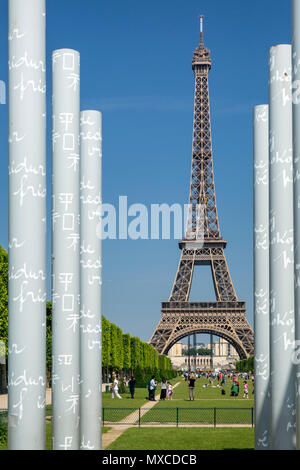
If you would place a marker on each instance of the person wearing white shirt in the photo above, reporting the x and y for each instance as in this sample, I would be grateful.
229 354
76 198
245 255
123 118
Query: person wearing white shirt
115 388
152 387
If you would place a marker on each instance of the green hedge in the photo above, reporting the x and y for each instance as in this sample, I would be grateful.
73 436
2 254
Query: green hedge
4 296
119 351
122 352
245 365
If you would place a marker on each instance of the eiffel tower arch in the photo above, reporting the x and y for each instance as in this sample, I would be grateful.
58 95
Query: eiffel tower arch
203 245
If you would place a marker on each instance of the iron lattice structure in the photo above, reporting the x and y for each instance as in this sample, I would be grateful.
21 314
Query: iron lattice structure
203 245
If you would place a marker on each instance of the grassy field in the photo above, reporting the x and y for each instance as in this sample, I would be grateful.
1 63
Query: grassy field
116 409
185 439
208 407
212 392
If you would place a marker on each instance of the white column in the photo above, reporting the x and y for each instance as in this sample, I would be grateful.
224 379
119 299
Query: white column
296 162
27 225
91 264
261 276
282 332
65 249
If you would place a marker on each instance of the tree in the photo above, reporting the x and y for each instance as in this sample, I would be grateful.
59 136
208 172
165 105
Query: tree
136 353
126 352
3 316
197 352
4 297
49 339
116 354
106 343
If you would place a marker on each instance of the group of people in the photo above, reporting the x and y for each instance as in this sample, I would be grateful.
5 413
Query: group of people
115 386
235 388
166 389
220 377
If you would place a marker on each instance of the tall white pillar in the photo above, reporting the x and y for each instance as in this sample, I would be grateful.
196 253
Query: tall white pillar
282 332
65 249
91 264
296 163
261 276
27 225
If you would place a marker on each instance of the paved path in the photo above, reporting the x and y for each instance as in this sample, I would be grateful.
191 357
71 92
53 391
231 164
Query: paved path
118 429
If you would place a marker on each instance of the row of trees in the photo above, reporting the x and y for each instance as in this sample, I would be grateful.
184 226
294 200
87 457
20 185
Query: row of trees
196 352
129 355
245 365
4 296
120 352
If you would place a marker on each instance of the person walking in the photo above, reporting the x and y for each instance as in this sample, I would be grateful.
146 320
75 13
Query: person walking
163 389
245 390
170 391
152 387
131 384
192 381
238 386
115 387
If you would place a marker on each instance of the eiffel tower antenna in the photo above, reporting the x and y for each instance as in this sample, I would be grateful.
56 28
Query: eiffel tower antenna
226 317
201 30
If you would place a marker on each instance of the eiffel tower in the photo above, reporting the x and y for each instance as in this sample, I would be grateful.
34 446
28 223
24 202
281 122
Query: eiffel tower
226 317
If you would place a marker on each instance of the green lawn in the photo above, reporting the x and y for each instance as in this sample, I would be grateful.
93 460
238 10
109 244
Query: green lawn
185 439
203 416
181 392
208 407
116 409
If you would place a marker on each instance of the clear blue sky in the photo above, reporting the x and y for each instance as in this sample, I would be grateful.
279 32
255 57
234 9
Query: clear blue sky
136 68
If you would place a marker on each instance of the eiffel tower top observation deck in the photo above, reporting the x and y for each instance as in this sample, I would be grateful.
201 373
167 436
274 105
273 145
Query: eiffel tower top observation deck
203 244
201 54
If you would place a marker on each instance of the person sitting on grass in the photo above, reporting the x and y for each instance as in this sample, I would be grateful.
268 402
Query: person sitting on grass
234 390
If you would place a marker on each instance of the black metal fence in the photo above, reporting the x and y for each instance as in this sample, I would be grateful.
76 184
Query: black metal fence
177 416
171 416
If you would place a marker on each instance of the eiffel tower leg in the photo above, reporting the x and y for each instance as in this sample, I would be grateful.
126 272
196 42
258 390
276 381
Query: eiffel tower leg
222 280
182 285
180 292
224 319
